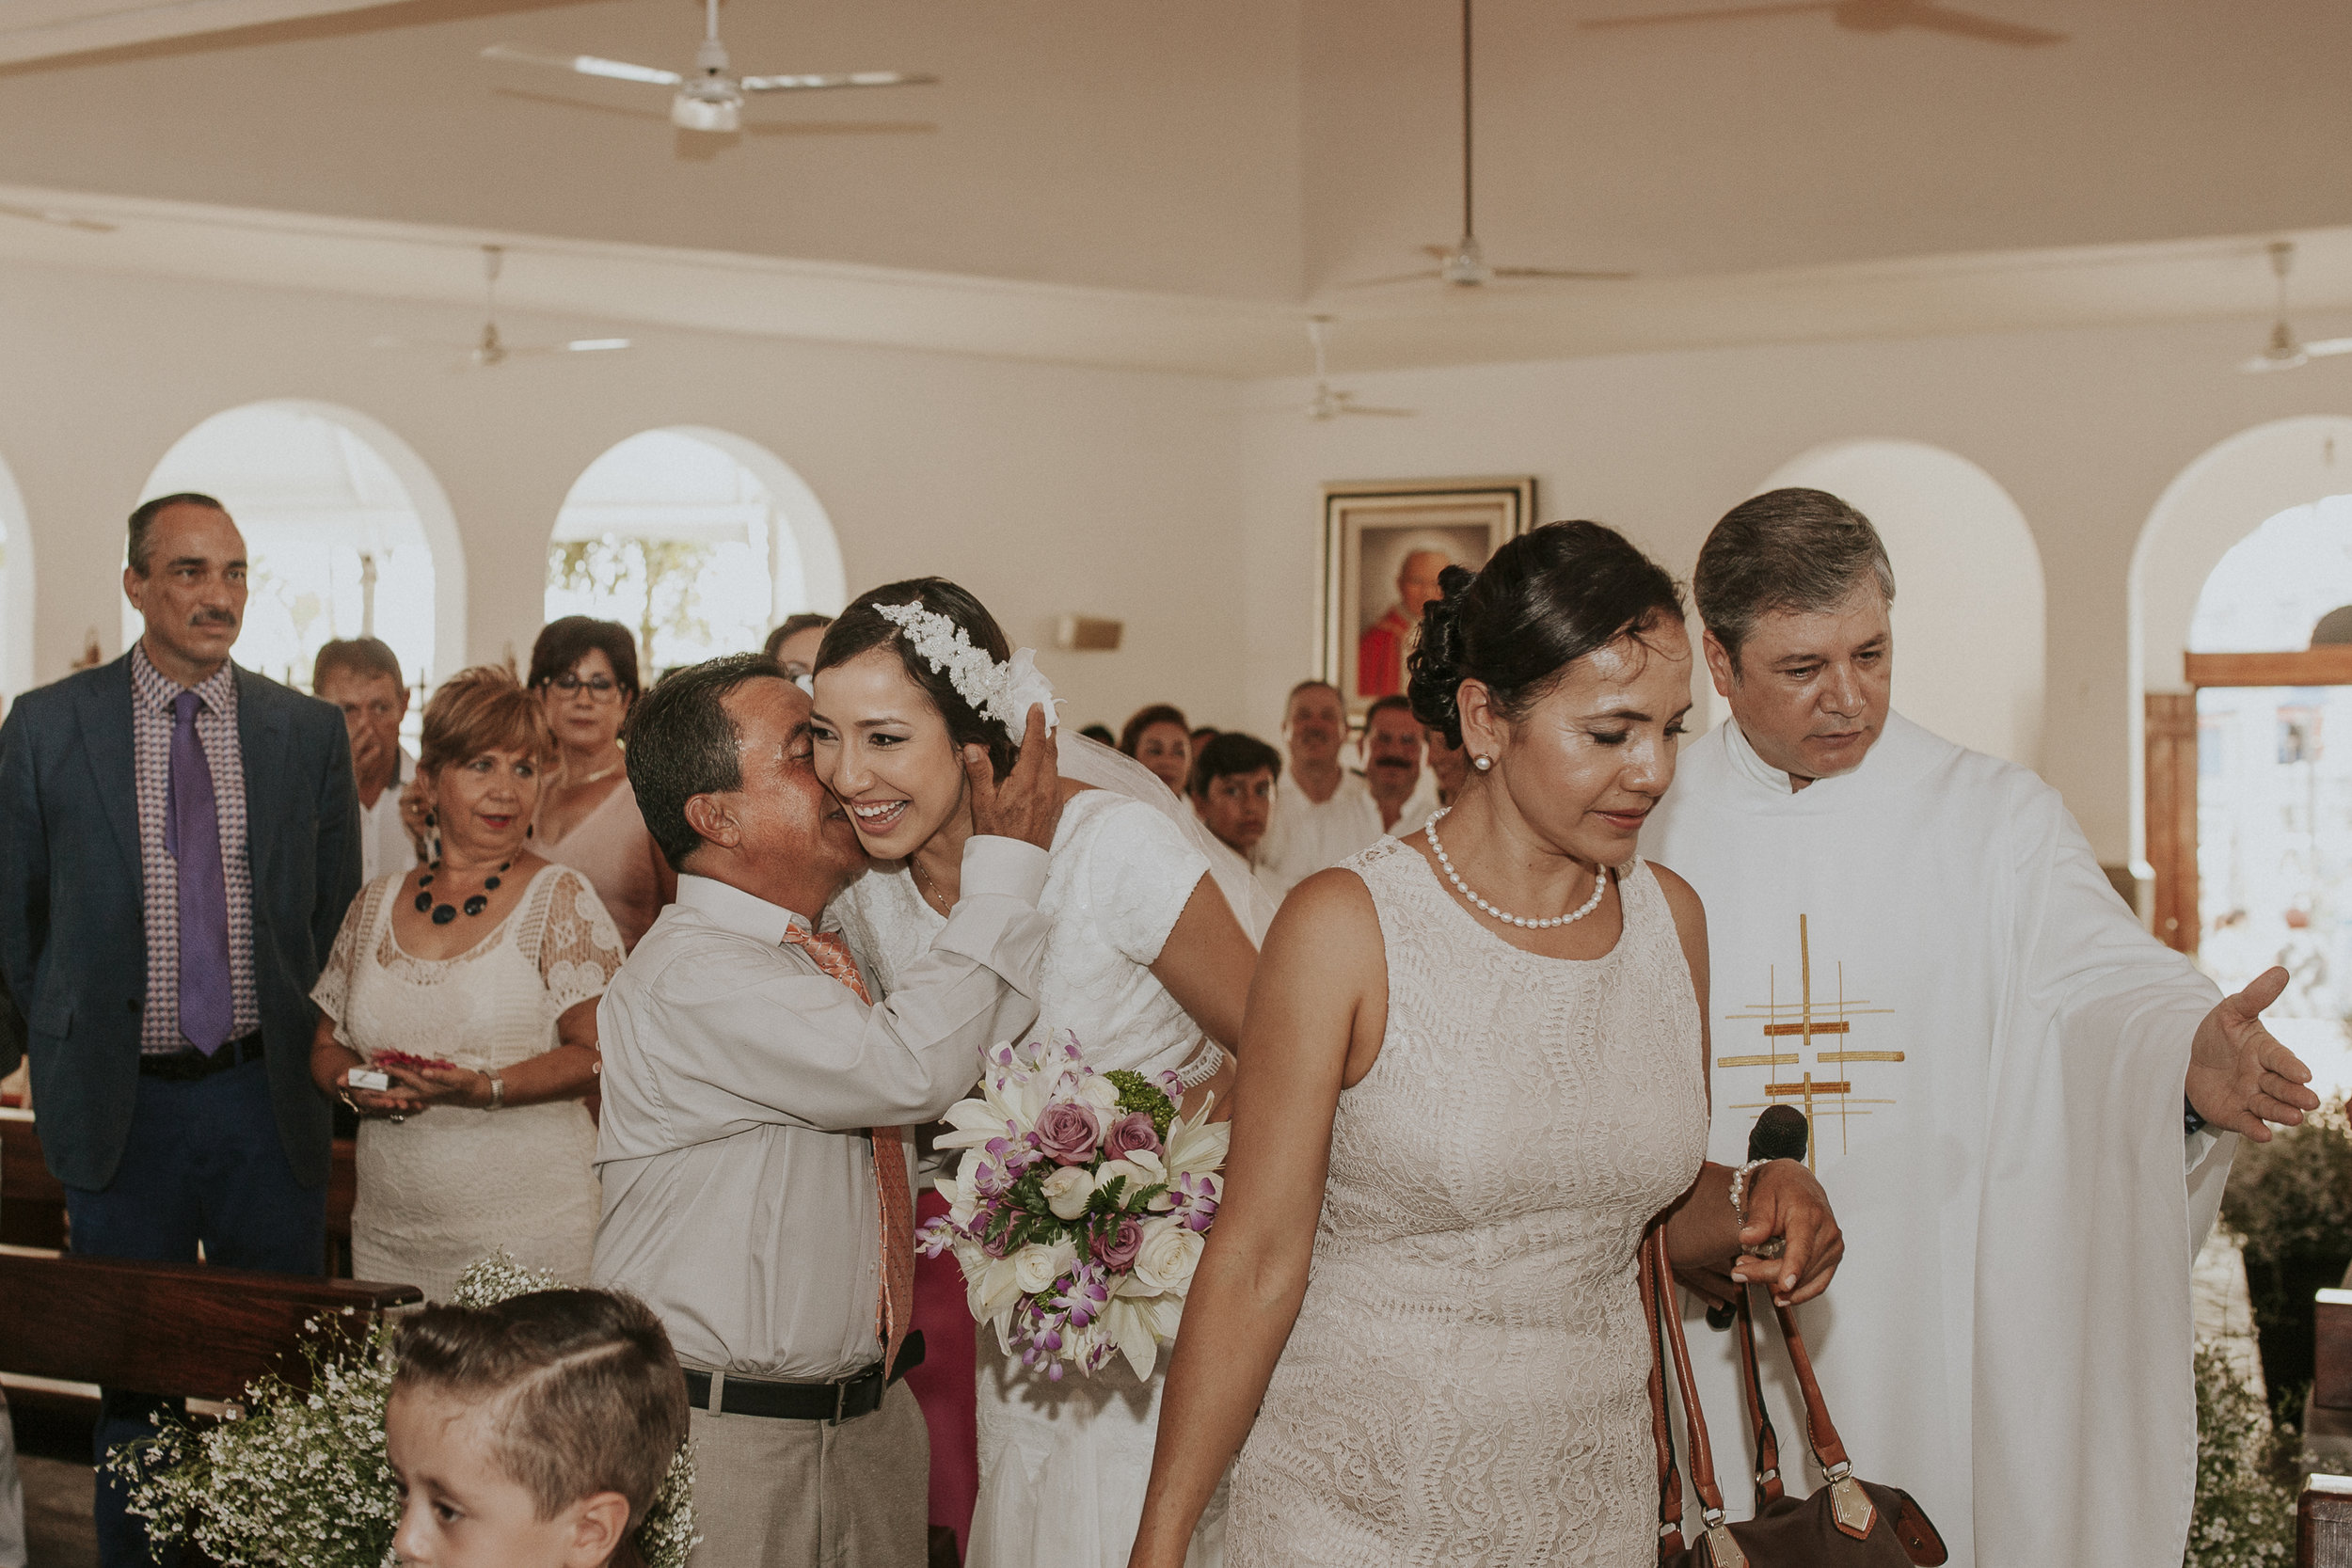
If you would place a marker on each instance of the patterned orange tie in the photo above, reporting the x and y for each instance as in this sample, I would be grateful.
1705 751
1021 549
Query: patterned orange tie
891 1316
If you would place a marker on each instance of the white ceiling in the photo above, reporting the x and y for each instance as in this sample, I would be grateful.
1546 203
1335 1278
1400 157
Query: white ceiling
1126 181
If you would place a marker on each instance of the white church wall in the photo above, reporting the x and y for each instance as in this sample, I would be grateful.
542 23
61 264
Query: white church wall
1045 489
2083 429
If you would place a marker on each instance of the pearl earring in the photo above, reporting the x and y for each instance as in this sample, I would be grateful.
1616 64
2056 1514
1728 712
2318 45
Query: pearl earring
1483 764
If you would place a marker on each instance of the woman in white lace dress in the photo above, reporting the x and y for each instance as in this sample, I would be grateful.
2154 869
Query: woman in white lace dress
1146 964
1474 1073
492 960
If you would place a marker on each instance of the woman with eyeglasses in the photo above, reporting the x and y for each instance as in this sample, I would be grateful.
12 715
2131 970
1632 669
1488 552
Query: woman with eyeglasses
586 674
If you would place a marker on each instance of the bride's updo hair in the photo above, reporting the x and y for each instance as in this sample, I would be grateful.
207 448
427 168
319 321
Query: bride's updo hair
862 627
1544 600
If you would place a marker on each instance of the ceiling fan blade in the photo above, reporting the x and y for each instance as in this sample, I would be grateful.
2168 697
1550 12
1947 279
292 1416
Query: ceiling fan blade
1942 19
56 217
595 345
2327 346
1559 272
1728 13
1395 278
841 128
586 65
841 79
1385 413
2262 362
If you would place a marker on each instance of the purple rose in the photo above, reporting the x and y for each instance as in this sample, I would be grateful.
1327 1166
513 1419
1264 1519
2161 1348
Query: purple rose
1067 1133
1133 1133
1116 1249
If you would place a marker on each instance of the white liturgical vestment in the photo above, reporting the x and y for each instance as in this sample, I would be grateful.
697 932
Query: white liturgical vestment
1925 957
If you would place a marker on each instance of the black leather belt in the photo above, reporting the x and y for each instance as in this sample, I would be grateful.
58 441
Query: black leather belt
185 1066
830 1403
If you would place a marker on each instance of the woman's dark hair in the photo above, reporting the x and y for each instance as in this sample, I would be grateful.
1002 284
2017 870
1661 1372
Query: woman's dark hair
1543 601
862 627
564 643
1158 713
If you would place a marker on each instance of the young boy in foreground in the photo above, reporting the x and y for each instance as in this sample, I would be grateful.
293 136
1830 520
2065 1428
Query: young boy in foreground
534 1433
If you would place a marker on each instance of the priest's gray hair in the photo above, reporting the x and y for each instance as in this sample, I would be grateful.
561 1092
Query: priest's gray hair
1790 551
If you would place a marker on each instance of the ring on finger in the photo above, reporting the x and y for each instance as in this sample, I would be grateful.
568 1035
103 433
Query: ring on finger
1773 1248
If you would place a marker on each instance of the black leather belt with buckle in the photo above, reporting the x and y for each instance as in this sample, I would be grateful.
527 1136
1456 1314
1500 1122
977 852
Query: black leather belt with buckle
185 1066
844 1400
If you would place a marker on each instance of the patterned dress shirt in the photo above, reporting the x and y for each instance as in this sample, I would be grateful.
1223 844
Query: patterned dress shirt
151 696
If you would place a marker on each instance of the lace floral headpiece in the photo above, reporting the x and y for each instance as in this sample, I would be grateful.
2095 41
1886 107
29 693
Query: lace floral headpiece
1004 692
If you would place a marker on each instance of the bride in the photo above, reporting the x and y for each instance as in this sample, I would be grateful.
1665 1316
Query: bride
1146 964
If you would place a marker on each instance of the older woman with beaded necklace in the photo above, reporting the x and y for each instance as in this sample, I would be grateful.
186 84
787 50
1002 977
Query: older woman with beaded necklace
465 990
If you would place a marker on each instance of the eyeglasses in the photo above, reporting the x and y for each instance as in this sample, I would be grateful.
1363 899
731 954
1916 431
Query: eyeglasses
794 670
598 689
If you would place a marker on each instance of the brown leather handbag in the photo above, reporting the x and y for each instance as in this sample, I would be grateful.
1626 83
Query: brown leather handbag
1849 1523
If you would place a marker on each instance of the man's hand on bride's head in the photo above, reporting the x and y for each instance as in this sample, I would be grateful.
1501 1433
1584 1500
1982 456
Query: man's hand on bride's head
1027 805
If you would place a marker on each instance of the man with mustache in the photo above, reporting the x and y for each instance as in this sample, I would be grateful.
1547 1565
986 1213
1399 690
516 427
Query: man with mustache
179 838
1392 767
2020 1101
758 1111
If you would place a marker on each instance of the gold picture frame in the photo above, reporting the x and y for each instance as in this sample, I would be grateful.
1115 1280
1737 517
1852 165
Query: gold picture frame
1371 530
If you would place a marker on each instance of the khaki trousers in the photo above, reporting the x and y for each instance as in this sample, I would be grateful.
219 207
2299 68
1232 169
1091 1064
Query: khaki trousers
771 1494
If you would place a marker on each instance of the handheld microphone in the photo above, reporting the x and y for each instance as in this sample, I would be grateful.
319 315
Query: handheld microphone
1779 1133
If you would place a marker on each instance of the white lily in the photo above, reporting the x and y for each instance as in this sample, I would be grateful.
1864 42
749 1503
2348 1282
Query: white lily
1140 1325
1196 1145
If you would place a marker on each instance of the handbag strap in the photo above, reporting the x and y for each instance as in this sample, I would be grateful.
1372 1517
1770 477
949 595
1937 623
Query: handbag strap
1768 1483
1686 1386
1827 1449
1662 1428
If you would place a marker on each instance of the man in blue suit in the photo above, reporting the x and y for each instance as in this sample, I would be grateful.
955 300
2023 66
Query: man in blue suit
179 838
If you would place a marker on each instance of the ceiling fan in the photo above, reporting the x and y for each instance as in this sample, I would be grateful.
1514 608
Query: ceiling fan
1861 16
492 349
1463 264
710 98
1328 403
2284 351
56 215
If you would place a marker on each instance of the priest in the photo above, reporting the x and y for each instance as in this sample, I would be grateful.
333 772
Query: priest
2021 1104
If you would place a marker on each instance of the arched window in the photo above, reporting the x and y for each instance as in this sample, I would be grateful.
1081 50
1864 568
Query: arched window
16 590
347 532
1970 636
694 539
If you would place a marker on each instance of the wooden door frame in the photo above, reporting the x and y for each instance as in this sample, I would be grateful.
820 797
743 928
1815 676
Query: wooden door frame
2170 748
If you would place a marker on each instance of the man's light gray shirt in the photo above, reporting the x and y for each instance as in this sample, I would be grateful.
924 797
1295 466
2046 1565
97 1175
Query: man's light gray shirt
739 1081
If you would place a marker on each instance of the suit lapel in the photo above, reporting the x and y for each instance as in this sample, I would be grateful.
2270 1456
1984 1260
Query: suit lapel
103 709
262 742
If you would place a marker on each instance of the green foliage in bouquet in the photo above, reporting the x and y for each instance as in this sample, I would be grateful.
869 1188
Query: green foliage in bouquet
300 1478
1138 1093
2245 1515
2291 1198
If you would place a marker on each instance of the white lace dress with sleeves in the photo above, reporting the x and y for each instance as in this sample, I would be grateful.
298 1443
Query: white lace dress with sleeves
451 1185
1063 1464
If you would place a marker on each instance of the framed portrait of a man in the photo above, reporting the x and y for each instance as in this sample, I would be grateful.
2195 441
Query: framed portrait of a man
1384 544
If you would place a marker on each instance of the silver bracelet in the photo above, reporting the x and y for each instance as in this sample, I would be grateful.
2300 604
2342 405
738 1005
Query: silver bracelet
1203 1066
498 1092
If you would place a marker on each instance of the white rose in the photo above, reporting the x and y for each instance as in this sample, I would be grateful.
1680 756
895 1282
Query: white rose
1036 1267
1170 1253
1099 1092
1067 1192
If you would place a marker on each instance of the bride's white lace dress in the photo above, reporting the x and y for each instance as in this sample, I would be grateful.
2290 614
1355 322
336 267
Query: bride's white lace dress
1063 1464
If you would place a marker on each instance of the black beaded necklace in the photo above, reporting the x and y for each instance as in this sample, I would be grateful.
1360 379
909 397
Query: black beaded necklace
444 913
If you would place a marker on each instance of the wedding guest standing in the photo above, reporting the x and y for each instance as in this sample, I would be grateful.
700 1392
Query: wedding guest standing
492 959
1485 1076
1158 738
756 1192
585 671
1233 794
178 842
794 643
2047 1091
1322 812
1393 774
361 676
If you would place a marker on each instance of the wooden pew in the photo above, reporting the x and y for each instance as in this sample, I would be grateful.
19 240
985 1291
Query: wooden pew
184 1330
2323 1523
32 1201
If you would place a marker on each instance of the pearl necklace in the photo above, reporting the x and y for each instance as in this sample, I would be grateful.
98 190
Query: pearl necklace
1600 885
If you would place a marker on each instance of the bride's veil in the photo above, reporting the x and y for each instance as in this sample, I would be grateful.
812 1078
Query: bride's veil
1090 762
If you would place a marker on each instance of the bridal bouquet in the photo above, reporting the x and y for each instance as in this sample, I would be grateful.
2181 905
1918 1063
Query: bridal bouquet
1079 1208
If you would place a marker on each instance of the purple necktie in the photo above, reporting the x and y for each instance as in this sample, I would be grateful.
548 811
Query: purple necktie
192 833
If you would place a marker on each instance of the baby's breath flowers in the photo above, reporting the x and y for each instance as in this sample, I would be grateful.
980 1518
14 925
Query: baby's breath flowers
297 1477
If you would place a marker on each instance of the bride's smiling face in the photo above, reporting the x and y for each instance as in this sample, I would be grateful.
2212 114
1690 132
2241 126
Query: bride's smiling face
885 750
